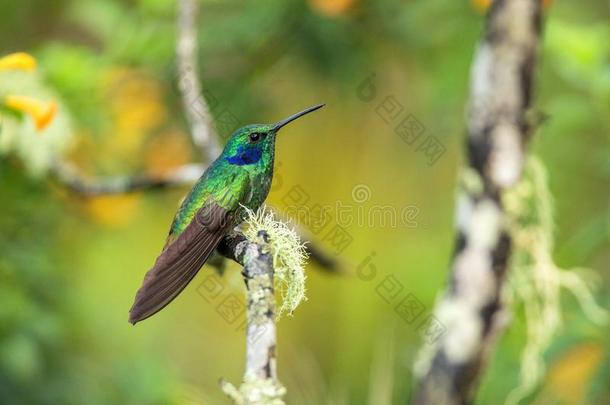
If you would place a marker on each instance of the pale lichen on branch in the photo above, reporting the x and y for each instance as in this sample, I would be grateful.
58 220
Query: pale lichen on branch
535 281
264 245
272 254
288 254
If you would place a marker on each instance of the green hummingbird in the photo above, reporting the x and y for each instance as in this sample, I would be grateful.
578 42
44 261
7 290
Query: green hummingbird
240 177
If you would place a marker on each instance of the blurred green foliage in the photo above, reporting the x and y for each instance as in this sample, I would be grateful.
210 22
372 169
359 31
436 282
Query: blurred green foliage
69 267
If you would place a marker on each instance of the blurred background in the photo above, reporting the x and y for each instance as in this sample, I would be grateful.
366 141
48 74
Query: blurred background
107 82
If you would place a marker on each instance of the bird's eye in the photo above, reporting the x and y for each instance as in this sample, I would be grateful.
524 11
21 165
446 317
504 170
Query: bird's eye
255 136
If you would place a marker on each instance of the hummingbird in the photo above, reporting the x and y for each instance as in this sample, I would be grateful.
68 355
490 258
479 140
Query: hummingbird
239 178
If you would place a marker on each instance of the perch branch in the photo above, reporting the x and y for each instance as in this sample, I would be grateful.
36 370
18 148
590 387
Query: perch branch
471 309
195 105
261 385
232 246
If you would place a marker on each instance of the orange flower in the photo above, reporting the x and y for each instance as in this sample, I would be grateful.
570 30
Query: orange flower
42 113
332 8
18 61
481 5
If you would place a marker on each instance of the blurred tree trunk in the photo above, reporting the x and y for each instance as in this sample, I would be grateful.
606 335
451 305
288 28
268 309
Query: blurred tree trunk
497 130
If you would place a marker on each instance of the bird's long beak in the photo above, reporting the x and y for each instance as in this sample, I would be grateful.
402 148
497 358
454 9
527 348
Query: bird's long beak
293 117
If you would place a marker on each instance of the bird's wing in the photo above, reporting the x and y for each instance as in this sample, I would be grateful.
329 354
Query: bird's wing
183 257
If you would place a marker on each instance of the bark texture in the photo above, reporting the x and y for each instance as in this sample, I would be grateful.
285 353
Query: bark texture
497 130
261 385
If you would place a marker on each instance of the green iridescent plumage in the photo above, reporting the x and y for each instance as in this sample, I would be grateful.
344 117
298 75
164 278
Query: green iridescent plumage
240 177
226 182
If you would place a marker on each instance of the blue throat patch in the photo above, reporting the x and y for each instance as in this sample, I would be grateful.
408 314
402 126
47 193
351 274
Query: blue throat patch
246 156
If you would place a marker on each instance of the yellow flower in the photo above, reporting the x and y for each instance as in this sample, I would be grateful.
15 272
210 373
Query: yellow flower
42 113
571 375
113 210
18 61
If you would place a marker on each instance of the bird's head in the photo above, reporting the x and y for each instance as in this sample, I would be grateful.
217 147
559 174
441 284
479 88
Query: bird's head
248 144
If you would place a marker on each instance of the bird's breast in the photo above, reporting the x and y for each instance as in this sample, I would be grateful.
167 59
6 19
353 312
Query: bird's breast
259 189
